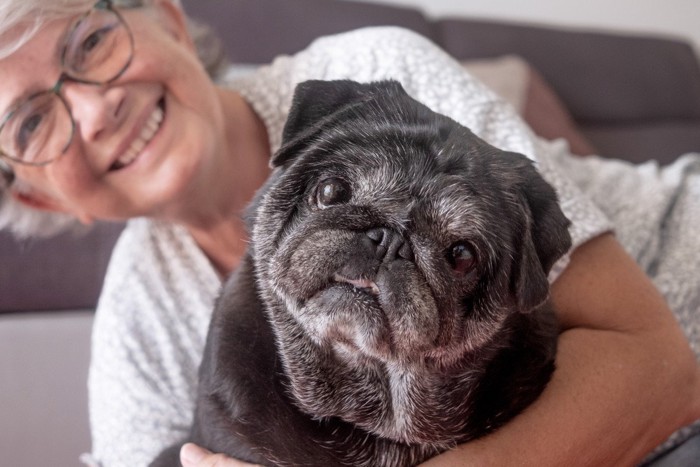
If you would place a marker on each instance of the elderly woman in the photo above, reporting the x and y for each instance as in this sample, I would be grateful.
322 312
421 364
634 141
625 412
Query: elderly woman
109 114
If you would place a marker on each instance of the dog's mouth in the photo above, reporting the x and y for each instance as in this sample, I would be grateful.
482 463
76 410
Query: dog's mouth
341 295
362 285
387 314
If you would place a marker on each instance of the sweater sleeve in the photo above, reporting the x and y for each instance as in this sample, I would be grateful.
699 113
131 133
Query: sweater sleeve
147 342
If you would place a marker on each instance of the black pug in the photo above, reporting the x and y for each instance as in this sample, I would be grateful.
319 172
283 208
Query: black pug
394 301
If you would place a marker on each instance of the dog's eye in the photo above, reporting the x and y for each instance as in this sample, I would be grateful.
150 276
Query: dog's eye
462 257
332 191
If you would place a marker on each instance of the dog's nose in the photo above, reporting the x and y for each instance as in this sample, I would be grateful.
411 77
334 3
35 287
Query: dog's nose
388 245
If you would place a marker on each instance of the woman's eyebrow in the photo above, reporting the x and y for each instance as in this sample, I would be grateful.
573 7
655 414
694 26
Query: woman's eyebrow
57 54
16 102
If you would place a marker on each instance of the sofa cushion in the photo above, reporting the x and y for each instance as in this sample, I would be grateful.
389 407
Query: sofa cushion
524 88
44 366
508 76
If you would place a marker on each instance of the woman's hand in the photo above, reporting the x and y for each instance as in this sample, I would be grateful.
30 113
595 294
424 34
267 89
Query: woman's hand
192 455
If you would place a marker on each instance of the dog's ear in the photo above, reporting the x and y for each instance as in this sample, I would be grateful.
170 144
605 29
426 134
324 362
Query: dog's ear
317 104
544 235
314 105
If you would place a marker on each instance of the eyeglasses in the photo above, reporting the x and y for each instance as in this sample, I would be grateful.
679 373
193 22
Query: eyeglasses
97 51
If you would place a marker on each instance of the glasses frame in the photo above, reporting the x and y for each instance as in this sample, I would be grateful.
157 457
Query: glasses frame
8 176
5 170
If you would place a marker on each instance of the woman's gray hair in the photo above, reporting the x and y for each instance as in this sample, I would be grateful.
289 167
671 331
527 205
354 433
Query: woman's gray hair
19 21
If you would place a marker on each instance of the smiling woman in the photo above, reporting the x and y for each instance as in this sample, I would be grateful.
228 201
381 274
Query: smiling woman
107 119
155 142
98 49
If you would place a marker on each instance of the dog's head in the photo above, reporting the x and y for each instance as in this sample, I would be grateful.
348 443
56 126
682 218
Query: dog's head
393 231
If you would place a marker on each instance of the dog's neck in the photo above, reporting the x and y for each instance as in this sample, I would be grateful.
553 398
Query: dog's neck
406 403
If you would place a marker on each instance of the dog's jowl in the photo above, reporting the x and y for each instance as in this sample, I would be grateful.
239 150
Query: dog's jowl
394 301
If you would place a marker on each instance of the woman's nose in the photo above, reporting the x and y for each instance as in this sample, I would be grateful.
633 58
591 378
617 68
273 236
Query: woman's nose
96 109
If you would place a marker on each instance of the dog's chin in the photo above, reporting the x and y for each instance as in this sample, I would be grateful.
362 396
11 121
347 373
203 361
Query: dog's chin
362 318
348 318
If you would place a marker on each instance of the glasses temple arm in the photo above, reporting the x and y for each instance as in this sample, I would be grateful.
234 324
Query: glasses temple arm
7 175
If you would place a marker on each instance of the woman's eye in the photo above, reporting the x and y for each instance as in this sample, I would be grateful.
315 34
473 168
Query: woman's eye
27 130
32 123
97 39
462 257
92 41
332 191
90 48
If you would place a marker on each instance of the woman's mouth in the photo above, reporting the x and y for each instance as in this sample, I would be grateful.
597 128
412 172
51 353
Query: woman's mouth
149 130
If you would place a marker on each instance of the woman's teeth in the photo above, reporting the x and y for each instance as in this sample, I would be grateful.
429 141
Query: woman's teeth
147 133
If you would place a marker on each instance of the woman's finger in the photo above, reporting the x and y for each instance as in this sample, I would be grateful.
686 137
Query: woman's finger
192 455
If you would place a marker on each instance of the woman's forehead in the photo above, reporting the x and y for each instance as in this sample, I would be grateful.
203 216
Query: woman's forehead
34 66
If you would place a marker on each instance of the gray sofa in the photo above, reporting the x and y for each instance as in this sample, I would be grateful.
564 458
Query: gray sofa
629 96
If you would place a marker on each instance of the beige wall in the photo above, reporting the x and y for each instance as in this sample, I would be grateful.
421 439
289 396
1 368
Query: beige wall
674 17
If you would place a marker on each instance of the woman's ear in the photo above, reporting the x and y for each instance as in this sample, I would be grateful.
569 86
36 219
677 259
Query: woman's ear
36 200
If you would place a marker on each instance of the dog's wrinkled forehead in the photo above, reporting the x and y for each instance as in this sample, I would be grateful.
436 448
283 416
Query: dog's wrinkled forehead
373 116
378 134
391 149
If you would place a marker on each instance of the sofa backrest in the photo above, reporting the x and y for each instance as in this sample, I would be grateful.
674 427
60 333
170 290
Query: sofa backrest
632 96
256 31
601 76
59 273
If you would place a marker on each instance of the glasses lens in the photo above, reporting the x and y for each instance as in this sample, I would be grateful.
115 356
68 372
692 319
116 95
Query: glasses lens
38 131
99 48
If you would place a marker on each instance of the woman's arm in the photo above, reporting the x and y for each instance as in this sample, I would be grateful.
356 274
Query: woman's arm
625 379
623 362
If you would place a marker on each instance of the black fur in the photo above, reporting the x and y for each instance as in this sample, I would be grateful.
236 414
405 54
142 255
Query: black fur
394 302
